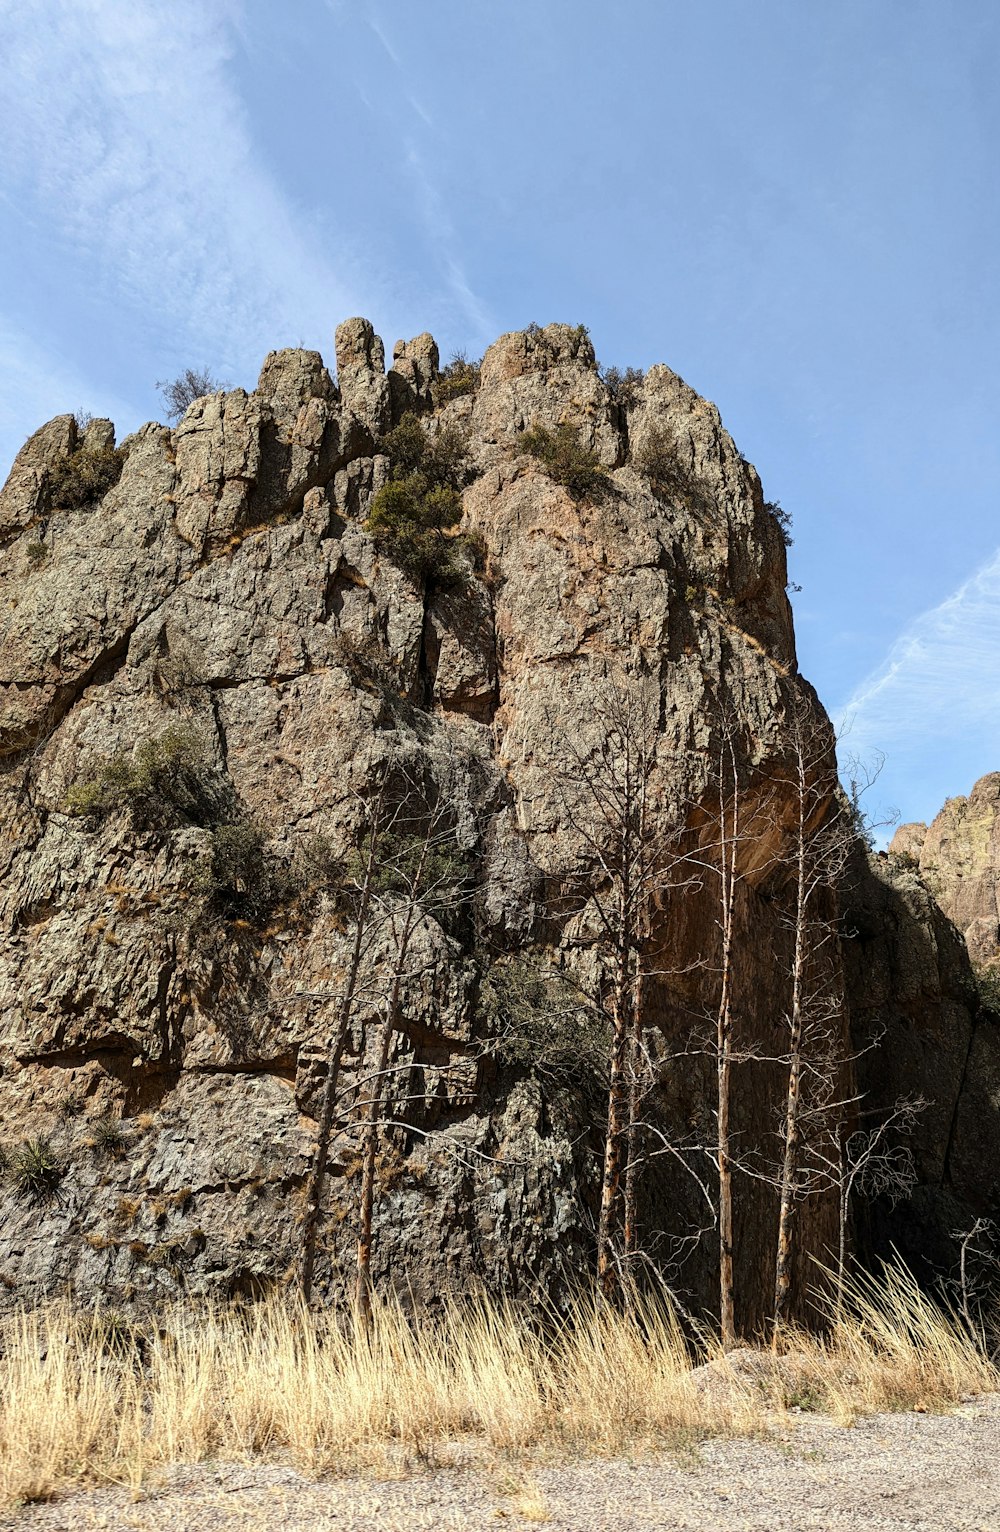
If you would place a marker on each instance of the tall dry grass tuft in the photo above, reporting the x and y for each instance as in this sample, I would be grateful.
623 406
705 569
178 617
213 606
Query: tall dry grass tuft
90 1399
622 1378
893 1348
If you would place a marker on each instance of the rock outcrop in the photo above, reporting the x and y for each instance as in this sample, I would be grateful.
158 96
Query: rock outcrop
958 855
221 628
920 1033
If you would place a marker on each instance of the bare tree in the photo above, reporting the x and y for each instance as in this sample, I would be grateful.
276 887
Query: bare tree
976 1279
729 830
729 837
820 1108
191 384
822 838
422 876
359 890
876 1162
611 799
406 871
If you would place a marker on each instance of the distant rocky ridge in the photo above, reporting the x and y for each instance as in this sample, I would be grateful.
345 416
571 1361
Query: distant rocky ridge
958 855
216 582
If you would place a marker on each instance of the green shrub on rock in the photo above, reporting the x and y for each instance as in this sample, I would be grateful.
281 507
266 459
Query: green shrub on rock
84 477
567 460
783 518
623 384
36 1169
458 378
165 782
542 1025
412 515
238 879
988 988
658 458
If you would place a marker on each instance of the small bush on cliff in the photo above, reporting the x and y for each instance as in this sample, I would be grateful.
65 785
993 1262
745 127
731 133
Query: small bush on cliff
988 988
84 477
412 516
567 460
108 1136
165 782
239 879
542 1025
783 518
459 377
623 384
180 392
36 1169
658 458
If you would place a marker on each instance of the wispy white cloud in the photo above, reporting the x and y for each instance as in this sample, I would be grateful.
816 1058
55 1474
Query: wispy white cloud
438 226
933 705
124 119
441 235
382 36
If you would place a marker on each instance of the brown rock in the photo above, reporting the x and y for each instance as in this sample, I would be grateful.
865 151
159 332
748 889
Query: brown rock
23 497
361 378
226 588
959 858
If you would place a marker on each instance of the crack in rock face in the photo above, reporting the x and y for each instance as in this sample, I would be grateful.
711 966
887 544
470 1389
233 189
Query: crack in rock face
214 668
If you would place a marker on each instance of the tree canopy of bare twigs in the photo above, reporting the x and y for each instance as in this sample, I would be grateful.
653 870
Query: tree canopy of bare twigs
609 792
407 869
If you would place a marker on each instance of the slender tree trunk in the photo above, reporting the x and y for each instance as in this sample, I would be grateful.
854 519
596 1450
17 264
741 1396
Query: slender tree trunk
842 1248
617 1129
790 1159
724 1065
317 1175
633 1138
369 1159
370 1137
727 1305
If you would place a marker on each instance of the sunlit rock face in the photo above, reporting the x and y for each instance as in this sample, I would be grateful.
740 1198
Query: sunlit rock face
958 855
222 602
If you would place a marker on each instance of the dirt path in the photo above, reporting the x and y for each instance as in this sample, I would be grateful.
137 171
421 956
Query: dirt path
897 1473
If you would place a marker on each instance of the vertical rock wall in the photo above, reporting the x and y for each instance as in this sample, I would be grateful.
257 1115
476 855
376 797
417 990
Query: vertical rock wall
223 594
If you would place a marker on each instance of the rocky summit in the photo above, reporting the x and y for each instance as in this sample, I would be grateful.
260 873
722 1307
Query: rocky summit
958 855
222 644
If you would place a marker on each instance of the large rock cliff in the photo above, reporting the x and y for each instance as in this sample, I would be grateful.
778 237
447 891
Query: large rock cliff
958 855
202 614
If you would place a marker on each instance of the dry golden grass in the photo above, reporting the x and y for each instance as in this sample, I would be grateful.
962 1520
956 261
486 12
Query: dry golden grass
82 1401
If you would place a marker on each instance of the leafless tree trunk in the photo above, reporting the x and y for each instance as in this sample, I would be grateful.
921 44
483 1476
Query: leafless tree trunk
818 1101
338 1042
877 1163
608 798
402 935
729 834
789 1169
724 840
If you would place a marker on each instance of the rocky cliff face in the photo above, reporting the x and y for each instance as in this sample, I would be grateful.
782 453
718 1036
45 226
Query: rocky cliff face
206 623
958 855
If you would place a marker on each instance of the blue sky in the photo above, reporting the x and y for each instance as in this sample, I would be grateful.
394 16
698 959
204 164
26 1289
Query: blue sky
794 205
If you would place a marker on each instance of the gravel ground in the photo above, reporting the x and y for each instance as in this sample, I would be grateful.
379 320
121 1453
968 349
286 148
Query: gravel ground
899 1473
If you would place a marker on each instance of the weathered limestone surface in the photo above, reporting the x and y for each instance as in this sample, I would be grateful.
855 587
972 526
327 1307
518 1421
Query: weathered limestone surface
226 585
959 858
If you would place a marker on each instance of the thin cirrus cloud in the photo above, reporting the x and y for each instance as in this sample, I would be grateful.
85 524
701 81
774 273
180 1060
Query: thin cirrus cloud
121 123
933 706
